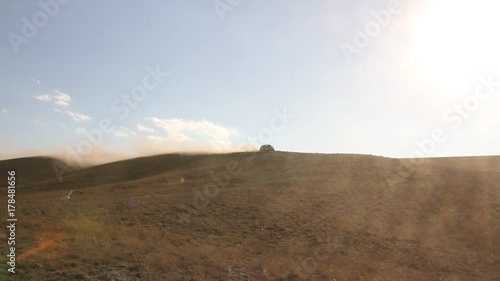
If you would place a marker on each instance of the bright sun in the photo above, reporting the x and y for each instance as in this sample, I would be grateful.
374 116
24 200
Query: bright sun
455 40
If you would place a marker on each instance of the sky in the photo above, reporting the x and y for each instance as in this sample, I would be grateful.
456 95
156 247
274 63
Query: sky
108 79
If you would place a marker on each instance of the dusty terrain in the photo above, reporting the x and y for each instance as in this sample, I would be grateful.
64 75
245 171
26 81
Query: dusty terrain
275 216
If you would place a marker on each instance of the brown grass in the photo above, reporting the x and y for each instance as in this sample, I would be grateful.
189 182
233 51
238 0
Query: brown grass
285 216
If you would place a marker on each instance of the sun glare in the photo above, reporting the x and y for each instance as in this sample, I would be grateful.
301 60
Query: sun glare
457 40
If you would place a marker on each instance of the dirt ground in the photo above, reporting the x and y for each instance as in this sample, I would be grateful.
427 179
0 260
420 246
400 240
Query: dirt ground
250 216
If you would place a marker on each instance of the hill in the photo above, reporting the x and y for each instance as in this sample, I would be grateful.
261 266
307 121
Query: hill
31 169
251 216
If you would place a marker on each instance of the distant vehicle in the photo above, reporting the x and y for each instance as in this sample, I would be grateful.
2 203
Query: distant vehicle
266 148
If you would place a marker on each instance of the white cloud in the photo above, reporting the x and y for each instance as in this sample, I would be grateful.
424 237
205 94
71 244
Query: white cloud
4 111
78 116
43 97
74 115
35 80
155 138
124 133
180 131
59 98
81 131
141 128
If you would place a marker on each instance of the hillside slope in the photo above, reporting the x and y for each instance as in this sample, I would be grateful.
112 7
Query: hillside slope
273 216
31 169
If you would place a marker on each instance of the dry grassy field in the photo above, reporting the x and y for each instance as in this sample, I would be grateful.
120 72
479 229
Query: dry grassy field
250 216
